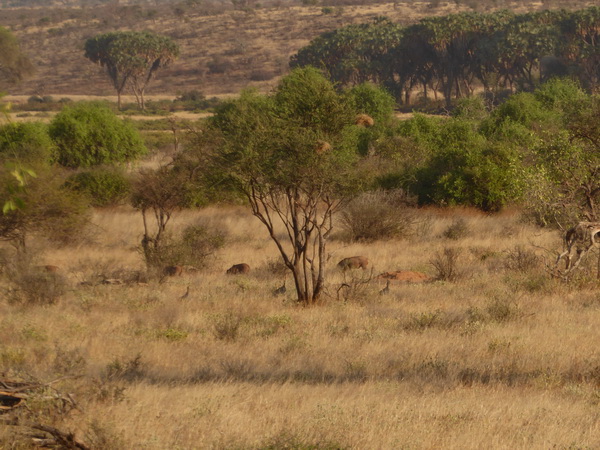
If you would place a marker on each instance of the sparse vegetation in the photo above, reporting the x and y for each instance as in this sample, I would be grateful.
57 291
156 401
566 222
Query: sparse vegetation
101 336
14 63
378 215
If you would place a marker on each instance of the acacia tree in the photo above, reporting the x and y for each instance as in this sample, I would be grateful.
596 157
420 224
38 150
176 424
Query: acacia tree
293 155
131 58
160 192
580 47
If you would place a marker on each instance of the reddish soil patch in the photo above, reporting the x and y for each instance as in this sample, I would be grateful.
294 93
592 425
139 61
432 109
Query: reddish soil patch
407 276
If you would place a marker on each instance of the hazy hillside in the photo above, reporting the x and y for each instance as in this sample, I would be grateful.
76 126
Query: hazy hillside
223 49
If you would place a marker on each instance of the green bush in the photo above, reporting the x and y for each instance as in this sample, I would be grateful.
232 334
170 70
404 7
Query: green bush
466 169
523 109
194 100
561 94
90 134
104 186
26 142
471 108
374 101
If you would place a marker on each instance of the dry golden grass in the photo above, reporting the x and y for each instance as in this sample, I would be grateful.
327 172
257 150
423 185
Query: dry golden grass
504 357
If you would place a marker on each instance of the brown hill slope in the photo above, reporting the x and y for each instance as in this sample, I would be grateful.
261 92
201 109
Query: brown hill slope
220 53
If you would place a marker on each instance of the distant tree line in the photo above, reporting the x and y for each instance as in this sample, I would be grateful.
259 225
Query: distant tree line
452 54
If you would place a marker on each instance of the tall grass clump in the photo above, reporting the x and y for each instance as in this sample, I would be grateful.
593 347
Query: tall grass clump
446 264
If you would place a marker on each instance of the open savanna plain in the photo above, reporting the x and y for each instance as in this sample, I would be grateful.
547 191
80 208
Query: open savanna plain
500 355
485 349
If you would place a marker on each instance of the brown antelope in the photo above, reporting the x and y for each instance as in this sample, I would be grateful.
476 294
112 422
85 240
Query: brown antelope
354 262
578 241
238 268
173 271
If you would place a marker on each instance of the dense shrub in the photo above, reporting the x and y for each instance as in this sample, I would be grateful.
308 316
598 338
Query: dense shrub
105 186
523 109
560 94
370 99
471 108
89 134
26 142
377 104
466 169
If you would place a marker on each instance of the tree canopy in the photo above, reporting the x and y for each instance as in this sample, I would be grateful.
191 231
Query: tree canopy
131 58
448 54
294 155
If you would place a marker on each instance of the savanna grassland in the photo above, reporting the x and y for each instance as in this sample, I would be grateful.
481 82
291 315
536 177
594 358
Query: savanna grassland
104 350
224 47
500 356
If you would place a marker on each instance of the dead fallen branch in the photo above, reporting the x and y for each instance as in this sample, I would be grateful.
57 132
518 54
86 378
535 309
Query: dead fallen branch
14 394
58 437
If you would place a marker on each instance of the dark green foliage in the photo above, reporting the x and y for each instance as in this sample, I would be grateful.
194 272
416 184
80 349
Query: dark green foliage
565 188
374 101
104 186
466 169
471 108
499 50
561 94
90 134
194 100
26 142
377 104
523 109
